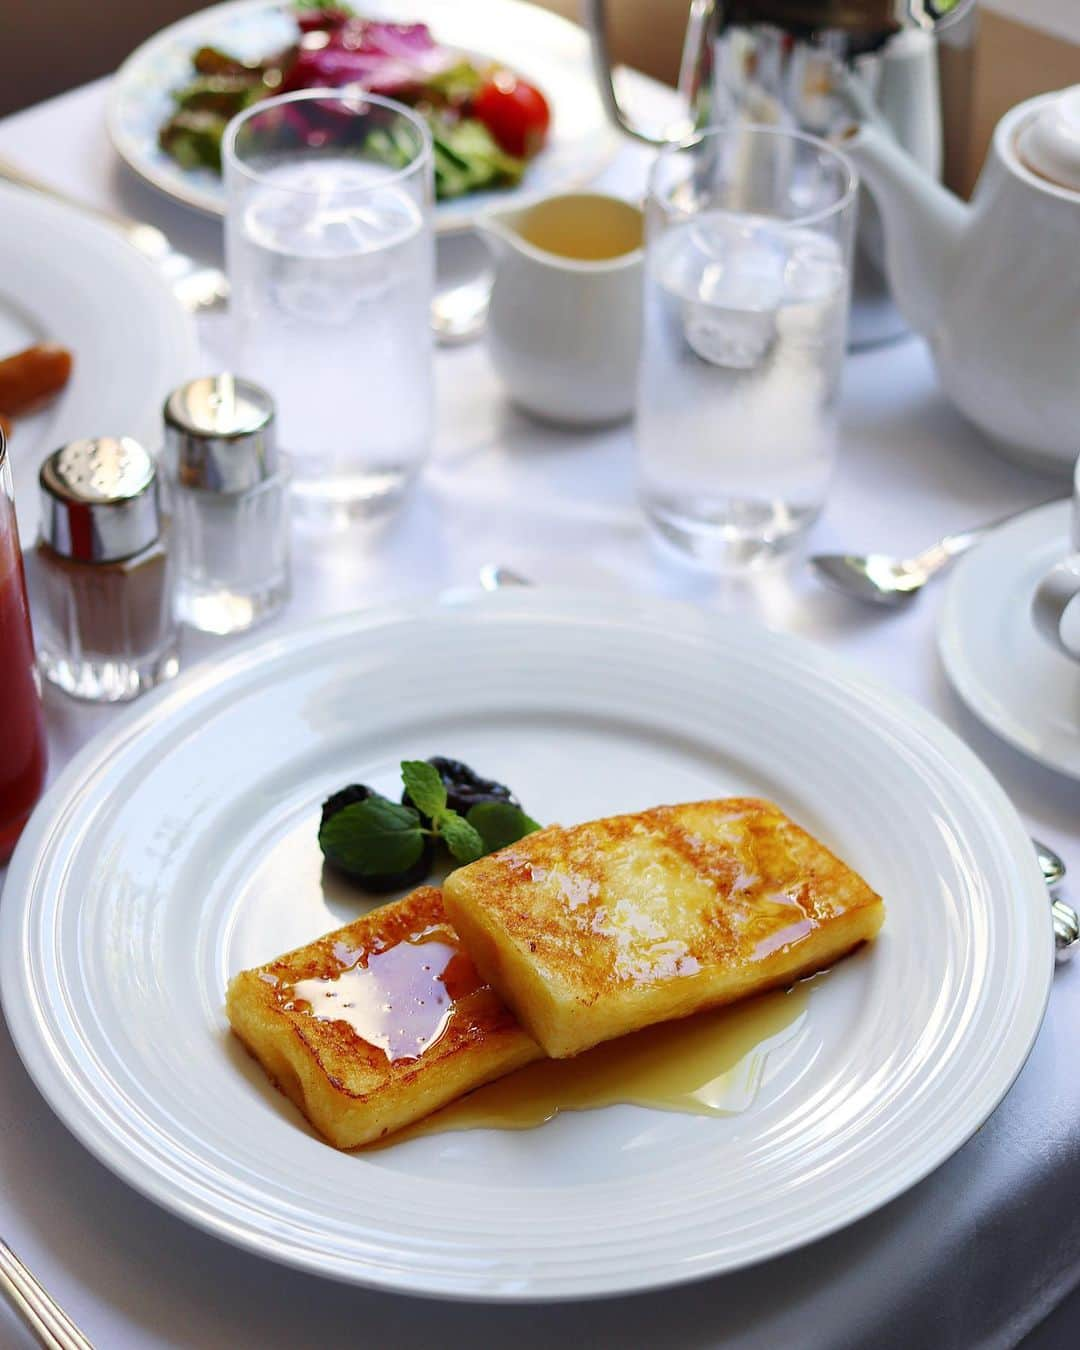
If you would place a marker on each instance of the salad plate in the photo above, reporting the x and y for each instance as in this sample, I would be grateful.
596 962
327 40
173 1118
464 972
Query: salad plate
548 51
65 278
181 848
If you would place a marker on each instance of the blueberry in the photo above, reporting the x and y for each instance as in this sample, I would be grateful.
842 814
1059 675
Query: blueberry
381 881
346 796
465 787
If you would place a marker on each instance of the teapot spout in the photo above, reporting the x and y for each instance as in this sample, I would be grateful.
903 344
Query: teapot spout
924 223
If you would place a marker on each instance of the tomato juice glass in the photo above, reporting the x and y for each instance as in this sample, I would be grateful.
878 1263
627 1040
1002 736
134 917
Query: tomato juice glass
22 726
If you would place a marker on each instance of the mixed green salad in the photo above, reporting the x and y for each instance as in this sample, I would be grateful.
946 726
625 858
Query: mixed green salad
486 122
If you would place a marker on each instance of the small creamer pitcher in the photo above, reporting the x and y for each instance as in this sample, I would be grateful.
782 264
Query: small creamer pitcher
565 322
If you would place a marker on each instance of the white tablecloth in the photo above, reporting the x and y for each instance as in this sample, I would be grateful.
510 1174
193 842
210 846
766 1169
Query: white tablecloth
974 1256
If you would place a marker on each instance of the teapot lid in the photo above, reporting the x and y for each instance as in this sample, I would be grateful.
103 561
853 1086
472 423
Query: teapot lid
1049 143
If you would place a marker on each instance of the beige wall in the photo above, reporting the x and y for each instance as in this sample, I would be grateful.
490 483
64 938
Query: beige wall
645 34
1009 62
47 46
51 45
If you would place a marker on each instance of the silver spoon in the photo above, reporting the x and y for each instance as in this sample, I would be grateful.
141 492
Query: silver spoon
883 580
458 314
494 577
1051 865
1066 919
1066 930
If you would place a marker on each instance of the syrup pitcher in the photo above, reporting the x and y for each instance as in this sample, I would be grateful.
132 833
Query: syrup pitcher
803 65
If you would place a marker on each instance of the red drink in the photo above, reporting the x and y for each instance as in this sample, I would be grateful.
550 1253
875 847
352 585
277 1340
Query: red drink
22 729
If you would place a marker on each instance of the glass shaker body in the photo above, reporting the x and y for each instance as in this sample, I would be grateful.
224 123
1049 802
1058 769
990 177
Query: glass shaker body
22 727
107 631
233 555
229 497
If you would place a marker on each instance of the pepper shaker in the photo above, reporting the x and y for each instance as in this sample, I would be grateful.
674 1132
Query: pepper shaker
106 628
229 497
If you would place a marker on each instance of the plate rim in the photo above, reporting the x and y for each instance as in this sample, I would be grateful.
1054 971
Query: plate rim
32 1041
178 190
175 326
959 670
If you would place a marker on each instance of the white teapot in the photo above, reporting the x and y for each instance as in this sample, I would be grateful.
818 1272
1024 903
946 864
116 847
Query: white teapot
995 285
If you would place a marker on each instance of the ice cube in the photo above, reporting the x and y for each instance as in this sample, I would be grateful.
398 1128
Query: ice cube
732 320
329 255
814 292
814 270
738 339
729 273
300 295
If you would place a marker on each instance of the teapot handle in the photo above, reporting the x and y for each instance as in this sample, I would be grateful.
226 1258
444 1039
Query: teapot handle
695 54
1053 596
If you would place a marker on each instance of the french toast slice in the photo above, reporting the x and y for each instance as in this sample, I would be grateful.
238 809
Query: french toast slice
600 929
378 1023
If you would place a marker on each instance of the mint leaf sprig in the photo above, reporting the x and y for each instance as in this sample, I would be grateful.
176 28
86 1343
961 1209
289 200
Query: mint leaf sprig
500 823
376 841
428 792
386 846
424 786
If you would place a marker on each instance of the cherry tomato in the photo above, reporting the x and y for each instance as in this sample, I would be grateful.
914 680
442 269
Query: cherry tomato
516 114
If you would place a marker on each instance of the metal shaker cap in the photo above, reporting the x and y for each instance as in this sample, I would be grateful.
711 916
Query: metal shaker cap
99 499
219 434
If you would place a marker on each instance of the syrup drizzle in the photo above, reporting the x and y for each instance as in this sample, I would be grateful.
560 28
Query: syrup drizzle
401 1000
711 1064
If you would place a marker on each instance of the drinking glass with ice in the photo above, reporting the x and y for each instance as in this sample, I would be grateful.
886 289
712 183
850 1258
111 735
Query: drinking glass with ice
749 234
330 255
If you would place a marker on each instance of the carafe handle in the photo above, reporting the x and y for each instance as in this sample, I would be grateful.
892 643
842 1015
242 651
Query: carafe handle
696 55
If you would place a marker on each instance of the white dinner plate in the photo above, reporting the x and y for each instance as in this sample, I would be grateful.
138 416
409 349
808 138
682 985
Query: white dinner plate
547 50
66 278
182 847
1009 676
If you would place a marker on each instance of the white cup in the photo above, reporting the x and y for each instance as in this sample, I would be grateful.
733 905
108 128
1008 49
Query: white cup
564 330
1056 605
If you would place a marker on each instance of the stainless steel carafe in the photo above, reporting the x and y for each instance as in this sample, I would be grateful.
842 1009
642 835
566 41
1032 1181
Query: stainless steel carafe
810 64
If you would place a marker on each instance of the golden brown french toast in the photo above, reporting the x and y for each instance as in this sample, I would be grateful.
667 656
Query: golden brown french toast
378 1023
597 930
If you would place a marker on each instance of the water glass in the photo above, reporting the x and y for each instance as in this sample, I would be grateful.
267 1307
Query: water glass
331 259
749 235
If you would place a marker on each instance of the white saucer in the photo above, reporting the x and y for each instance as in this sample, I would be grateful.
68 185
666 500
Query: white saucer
1009 677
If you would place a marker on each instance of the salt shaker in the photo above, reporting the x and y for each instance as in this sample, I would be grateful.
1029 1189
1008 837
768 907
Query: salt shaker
229 498
105 623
